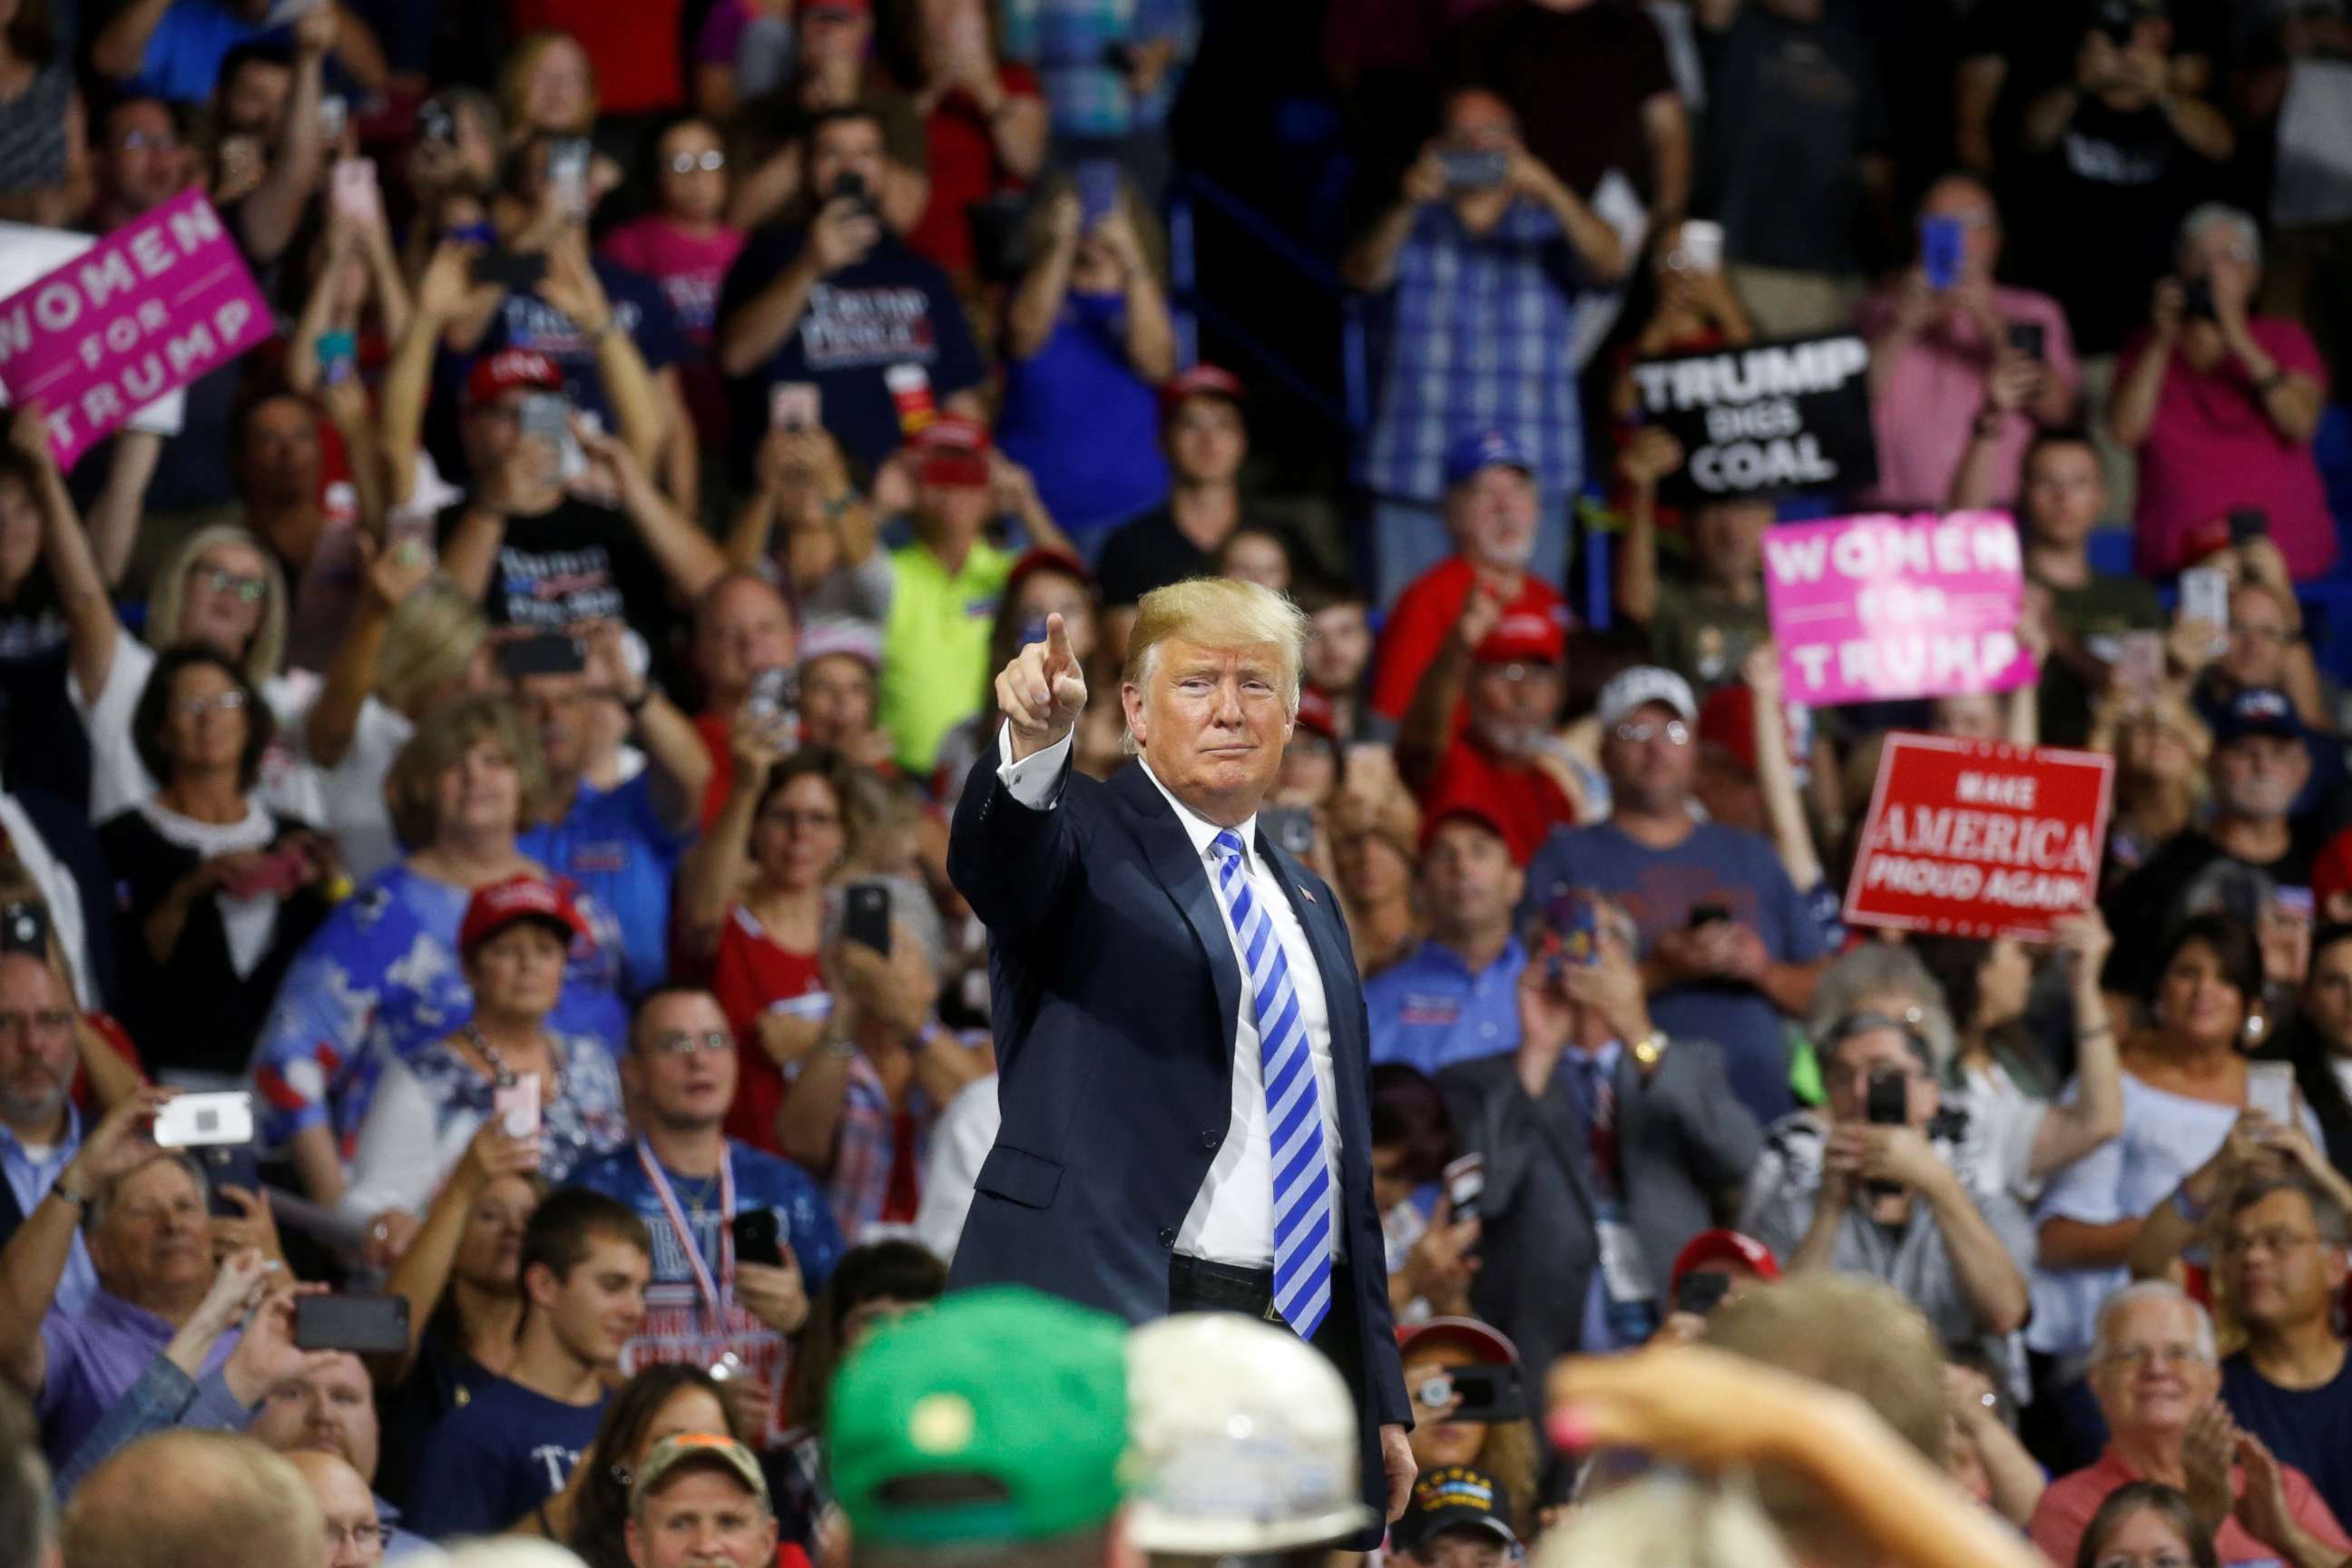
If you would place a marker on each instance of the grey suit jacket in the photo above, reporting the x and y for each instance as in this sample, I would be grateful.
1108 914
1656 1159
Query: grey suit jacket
1683 1136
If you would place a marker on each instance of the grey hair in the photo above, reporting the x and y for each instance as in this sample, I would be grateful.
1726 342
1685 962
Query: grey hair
1875 968
2152 1290
102 1203
2206 215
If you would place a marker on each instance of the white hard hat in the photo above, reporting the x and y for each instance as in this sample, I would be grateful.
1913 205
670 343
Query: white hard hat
1244 1440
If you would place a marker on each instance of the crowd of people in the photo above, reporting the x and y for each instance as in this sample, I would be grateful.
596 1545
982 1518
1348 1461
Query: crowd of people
508 726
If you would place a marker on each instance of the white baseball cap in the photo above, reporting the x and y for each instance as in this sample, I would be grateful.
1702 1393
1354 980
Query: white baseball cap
1244 1440
1643 684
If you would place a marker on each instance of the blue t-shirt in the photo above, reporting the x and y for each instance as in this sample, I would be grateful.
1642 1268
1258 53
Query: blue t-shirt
184 52
1659 888
615 845
2310 1428
1081 381
893 308
1428 1011
524 320
762 1182
496 1458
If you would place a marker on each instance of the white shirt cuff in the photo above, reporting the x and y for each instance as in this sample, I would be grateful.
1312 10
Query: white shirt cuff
1035 781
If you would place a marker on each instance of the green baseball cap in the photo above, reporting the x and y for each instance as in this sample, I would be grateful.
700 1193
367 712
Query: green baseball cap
999 1415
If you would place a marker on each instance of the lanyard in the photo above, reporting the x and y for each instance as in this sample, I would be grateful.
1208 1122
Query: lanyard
716 1294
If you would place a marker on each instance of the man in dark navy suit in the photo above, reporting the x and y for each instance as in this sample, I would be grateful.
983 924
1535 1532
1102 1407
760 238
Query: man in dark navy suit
1181 1048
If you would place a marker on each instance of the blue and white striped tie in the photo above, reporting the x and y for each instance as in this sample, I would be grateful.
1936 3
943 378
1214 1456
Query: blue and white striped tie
1302 1210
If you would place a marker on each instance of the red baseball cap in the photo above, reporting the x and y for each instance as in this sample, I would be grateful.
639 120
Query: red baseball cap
1044 558
1316 713
498 905
1724 1246
507 369
1202 381
1481 1340
1523 636
848 7
951 433
952 452
1449 808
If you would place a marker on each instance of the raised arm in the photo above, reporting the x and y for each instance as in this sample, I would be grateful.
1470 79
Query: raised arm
114 515
572 287
749 337
1426 730
91 624
684 552
679 763
1011 852
1036 305
119 50
388 575
1775 774
1648 458
719 865
423 1271
274 210
2131 413
1370 264
2096 1115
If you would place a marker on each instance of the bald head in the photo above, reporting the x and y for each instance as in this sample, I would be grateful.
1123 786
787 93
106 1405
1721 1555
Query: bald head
346 1504
194 1499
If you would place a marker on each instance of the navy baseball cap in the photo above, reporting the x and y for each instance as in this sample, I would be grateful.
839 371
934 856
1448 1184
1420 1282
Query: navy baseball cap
2258 710
1473 450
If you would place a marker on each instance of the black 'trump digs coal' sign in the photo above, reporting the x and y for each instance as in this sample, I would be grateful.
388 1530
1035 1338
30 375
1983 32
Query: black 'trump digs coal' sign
1772 417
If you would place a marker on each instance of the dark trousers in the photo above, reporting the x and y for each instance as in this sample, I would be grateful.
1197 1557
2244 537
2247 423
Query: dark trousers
1197 1286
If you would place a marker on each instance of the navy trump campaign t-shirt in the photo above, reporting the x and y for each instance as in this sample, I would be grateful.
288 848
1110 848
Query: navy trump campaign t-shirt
494 1460
524 320
892 307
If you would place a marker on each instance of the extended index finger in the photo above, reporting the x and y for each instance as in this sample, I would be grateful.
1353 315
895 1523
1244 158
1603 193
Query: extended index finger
1057 641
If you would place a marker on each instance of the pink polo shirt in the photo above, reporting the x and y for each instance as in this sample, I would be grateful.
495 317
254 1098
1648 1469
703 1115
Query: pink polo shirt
2212 448
2066 1507
1926 406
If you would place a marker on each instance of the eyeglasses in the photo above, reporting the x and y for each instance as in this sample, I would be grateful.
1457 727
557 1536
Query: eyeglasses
716 1043
198 707
222 581
1674 731
2134 1357
801 821
2267 634
2278 1243
47 1021
140 141
362 1536
1515 673
710 162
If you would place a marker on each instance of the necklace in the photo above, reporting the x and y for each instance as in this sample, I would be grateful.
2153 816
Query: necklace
500 1074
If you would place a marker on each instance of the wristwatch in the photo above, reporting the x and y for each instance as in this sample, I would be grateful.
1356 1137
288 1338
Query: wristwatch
1648 1049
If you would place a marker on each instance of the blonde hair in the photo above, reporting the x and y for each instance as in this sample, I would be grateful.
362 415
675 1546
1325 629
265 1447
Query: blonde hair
514 86
259 658
429 643
412 786
1217 613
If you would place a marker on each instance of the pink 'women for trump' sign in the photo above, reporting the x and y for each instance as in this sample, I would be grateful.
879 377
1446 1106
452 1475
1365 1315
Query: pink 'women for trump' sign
161 301
1869 609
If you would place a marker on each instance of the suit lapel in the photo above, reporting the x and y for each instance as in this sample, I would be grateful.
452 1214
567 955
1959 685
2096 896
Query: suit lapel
1339 986
1182 874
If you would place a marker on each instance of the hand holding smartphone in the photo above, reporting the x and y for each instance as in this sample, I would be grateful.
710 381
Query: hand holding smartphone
2270 1089
356 198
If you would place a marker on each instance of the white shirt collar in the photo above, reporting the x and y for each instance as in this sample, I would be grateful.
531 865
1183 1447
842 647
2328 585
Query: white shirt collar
1199 828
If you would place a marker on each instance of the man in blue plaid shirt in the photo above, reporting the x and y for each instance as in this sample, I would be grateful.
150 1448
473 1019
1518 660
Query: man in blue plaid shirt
1484 255
1110 69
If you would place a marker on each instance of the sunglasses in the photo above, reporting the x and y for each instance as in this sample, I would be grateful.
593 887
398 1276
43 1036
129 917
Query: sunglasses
236 584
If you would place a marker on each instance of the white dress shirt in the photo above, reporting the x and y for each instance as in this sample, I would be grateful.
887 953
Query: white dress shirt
1232 1219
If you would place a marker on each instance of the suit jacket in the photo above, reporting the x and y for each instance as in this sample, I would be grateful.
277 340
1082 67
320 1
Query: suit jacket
1682 1137
1116 999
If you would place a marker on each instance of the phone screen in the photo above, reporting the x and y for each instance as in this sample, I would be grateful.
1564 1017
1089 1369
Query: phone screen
867 919
2270 1089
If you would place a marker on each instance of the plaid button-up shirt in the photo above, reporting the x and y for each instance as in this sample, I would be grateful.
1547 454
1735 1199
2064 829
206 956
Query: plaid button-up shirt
1479 340
1066 43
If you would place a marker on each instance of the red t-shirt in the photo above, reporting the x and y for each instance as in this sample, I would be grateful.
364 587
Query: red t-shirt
635 47
1423 619
965 169
1524 801
718 739
751 976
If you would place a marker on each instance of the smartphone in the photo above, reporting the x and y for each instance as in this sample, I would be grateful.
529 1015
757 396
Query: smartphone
775 693
1700 245
759 1237
1942 249
1473 170
1487 1393
1707 914
1097 180
2031 339
363 1325
867 919
25 927
334 113
548 415
567 173
516 1105
545 653
229 1166
1702 1290
794 406
2139 666
1888 1100
276 874
435 121
1290 827
353 189
2205 595
2248 523
2270 1089
1466 1182
852 186
202 1120
1575 919
337 357
2196 299
2294 903
515 271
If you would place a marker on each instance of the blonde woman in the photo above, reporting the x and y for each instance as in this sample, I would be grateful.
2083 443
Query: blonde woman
380 981
2160 747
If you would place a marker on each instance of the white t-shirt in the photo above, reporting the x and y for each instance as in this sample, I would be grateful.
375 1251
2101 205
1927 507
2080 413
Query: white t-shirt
119 781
